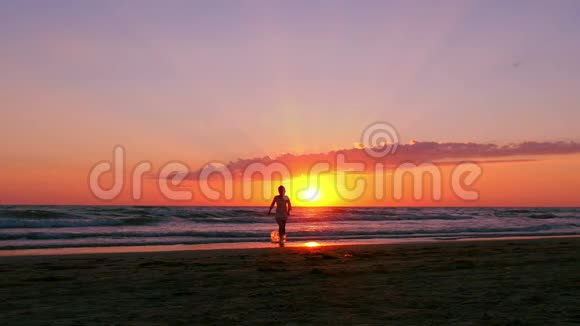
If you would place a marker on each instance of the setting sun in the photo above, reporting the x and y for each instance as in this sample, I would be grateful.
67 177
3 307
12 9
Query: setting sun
312 191
295 162
309 195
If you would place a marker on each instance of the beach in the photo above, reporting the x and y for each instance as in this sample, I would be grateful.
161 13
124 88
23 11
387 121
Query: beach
504 282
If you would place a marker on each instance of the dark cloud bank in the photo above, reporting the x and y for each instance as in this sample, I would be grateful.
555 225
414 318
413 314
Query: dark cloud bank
417 152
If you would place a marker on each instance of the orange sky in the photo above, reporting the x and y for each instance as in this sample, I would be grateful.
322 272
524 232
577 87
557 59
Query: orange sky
197 82
546 181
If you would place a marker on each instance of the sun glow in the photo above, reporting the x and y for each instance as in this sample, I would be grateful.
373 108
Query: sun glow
312 191
309 195
311 244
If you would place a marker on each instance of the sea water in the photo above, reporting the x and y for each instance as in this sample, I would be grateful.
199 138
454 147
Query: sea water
26 227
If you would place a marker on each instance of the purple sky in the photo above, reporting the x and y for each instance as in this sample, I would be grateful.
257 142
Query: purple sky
221 80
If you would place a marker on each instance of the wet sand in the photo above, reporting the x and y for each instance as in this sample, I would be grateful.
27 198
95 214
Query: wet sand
513 282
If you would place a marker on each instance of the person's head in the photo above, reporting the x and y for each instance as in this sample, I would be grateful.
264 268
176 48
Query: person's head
281 190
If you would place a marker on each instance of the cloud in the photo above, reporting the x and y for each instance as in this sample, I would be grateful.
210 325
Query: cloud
417 152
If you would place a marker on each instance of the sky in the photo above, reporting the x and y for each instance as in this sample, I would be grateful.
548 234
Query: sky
207 81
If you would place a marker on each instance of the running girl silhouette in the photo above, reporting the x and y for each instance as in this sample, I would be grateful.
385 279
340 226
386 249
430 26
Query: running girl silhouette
283 208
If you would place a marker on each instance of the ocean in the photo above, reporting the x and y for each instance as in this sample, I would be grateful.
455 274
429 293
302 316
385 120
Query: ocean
28 227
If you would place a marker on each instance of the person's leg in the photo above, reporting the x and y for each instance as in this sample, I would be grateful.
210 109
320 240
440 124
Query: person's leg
282 230
279 221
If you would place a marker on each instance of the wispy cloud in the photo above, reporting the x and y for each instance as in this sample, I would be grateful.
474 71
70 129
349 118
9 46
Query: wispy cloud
416 152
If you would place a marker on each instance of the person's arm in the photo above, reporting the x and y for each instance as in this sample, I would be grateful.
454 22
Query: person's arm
289 206
272 205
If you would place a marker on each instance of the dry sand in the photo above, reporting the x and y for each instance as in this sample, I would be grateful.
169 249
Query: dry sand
460 283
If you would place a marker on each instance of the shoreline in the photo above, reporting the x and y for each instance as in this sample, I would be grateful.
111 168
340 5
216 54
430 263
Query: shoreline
510 282
66 251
